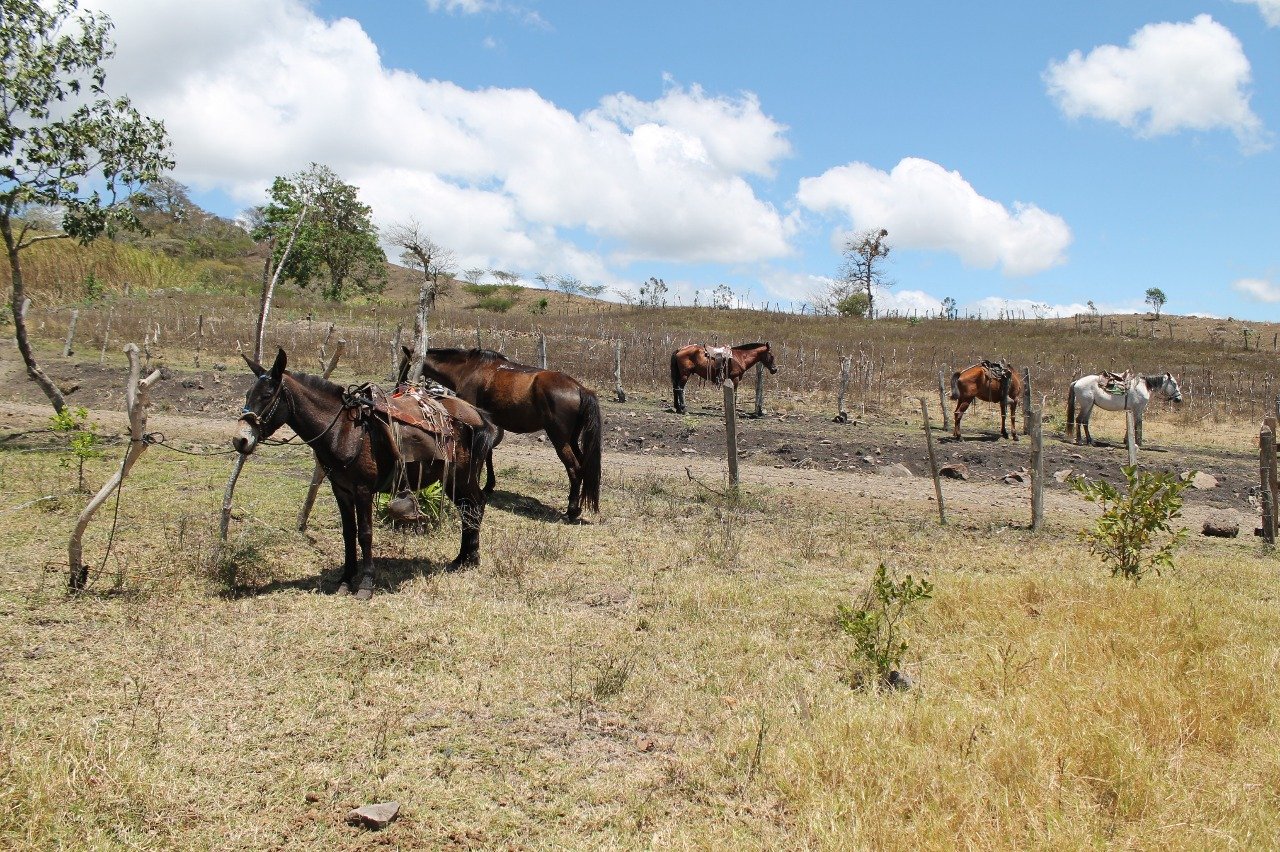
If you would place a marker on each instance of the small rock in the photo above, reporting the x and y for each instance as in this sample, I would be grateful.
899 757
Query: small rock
376 816
1015 477
900 680
687 450
897 470
954 470
1222 524
645 744
1063 475
312 796
1201 480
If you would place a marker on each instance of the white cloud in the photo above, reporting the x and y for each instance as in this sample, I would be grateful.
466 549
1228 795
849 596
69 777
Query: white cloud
1258 289
252 89
1270 10
924 206
1171 77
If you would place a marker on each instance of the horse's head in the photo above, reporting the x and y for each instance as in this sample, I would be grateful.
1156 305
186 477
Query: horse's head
766 358
266 405
1171 389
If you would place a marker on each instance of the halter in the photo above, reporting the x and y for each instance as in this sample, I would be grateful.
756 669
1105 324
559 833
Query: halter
265 417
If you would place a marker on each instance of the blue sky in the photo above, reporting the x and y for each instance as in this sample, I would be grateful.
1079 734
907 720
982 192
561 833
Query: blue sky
1019 154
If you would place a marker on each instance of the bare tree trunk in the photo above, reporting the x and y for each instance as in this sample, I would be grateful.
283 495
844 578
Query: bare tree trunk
420 334
269 289
136 401
318 475
19 307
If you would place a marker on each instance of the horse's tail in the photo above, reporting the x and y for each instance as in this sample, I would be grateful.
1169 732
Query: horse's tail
1071 407
955 385
591 430
483 439
675 369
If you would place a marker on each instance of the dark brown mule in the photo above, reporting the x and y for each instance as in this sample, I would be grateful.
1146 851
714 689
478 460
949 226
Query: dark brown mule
363 453
524 399
715 364
978 382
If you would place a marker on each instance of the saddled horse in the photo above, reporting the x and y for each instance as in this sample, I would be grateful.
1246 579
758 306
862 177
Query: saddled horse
1088 391
991 383
717 364
524 399
368 445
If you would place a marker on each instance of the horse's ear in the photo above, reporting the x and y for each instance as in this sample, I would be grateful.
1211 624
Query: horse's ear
277 369
254 366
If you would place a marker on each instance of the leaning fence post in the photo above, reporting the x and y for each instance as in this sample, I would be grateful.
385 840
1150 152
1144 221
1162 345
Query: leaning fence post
731 431
137 398
618 392
1037 468
1130 438
933 461
71 333
759 389
1026 401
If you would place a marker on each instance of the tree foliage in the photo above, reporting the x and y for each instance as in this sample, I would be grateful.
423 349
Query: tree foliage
1156 299
864 253
337 245
653 293
64 143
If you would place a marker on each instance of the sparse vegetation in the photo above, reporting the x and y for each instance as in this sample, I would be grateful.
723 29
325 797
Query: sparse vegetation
876 625
1132 520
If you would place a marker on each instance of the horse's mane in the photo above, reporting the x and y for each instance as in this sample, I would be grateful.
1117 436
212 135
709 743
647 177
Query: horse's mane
319 383
455 353
1154 381
751 346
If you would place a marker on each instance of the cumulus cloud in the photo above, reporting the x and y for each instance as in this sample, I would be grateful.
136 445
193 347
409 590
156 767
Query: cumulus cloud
1270 10
924 206
252 89
1170 77
1258 289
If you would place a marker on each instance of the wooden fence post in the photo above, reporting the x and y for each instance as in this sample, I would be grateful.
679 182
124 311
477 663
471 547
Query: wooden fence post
1266 463
759 390
731 431
1130 438
71 333
942 398
106 335
137 398
933 462
1026 401
619 394
542 350
1037 469
842 413
199 337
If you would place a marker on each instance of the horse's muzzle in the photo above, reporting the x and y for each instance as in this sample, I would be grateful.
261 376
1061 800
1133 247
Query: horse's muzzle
247 440
773 370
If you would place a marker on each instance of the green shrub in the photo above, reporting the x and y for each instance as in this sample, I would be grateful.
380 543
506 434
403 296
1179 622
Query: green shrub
876 626
1131 522
82 439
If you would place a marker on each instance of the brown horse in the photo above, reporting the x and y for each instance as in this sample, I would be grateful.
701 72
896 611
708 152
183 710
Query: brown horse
715 364
990 382
365 447
525 399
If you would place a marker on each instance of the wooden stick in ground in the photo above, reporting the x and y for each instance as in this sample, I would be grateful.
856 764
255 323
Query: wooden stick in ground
618 392
269 288
1037 469
106 335
1026 401
542 350
933 462
225 524
1266 455
71 333
137 398
731 431
1130 438
842 413
759 390
318 475
199 337
942 399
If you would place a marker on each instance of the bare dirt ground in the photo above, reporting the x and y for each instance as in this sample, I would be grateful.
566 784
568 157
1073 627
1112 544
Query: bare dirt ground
784 449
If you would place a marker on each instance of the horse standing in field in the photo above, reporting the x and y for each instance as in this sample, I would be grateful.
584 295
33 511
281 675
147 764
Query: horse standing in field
717 364
1088 391
991 382
524 399
369 443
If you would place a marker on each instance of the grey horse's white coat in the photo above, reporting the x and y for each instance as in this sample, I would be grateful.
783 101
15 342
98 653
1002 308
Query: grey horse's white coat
1088 391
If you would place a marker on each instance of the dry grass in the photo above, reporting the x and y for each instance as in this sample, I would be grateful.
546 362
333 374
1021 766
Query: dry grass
670 676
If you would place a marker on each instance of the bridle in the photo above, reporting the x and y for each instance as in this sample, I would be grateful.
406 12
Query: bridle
255 420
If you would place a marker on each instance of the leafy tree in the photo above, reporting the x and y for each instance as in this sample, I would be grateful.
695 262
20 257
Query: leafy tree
949 308
64 143
855 304
876 624
591 290
436 263
337 244
1131 521
722 297
506 278
569 285
474 275
1156 299
864 253
653 293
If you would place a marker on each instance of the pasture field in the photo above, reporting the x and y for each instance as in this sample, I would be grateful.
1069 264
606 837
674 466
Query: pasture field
668 675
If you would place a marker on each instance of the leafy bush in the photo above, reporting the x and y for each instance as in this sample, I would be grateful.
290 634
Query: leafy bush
1130 522
431 502
876 626
82 441
853 305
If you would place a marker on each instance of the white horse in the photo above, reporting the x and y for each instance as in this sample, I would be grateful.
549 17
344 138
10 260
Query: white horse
1088 391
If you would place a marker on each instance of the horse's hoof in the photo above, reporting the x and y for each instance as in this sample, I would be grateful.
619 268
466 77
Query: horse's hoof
343 589
463 562
364 594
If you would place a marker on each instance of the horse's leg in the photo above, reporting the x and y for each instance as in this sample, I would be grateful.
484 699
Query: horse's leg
572 466
961 407
469 499
364 526
489 483
1082 421
1004 413
1013 417
347 512
1137 427
677 391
